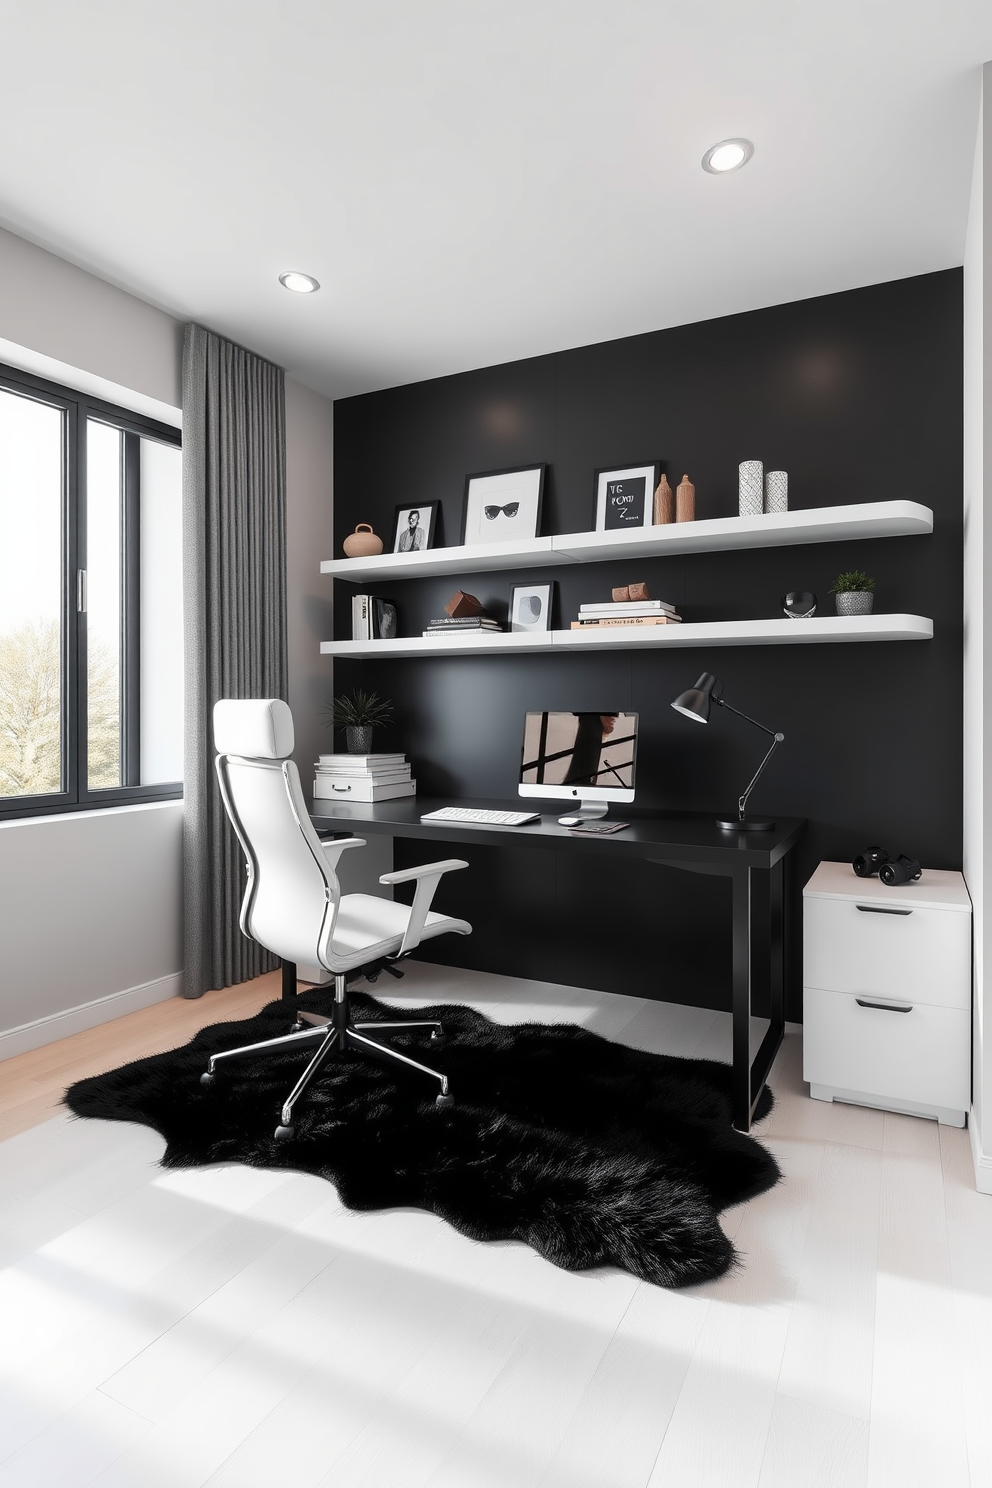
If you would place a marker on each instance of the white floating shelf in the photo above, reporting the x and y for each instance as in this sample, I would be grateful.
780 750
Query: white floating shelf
534 552
780 529
818 631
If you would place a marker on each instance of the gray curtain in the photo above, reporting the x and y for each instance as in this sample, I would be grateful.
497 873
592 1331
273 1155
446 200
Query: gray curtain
234 581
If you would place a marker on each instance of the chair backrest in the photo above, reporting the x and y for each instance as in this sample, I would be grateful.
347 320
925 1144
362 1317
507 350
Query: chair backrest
292 893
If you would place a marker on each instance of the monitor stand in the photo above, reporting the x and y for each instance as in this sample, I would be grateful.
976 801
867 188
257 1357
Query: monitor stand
584 811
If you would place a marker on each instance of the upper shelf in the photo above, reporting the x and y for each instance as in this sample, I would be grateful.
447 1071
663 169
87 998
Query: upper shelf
820 630
779 529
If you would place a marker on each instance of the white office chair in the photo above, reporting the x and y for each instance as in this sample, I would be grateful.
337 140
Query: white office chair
293 903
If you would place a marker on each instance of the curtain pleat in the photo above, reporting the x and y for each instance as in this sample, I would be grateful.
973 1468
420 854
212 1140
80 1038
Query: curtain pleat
234 577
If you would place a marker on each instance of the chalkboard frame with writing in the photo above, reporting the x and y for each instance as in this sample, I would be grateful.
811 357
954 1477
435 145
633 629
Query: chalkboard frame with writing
641 481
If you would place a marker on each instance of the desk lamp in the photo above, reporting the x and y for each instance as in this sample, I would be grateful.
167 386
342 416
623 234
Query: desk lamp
695 704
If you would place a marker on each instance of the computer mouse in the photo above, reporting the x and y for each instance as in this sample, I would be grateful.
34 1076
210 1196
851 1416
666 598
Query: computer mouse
569 821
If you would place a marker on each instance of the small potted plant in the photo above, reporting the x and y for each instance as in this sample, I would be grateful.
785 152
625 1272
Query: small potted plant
358 715
853 592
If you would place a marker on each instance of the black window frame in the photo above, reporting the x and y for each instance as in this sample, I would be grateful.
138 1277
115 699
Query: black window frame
78 409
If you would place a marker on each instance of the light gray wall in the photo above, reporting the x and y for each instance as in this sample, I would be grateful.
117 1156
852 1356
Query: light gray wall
309 531
91 904
978 616
63 313
90 911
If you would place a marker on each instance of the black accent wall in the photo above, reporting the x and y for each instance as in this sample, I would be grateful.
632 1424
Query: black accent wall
858 396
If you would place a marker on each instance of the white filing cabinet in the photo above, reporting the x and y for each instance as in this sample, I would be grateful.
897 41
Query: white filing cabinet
887 992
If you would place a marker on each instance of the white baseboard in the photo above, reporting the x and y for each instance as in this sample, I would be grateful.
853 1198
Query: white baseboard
55 1026
983 1164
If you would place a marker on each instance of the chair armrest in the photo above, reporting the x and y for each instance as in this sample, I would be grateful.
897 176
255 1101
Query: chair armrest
334 847
427 878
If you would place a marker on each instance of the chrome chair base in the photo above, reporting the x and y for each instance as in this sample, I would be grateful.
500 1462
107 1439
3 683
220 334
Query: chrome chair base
335 1034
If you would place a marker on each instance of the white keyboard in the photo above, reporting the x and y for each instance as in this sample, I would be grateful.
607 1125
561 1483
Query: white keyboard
465 816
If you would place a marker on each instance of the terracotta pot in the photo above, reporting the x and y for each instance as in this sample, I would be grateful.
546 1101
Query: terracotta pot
362 543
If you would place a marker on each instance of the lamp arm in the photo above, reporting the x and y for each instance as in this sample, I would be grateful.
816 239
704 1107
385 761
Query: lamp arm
776 741
747 719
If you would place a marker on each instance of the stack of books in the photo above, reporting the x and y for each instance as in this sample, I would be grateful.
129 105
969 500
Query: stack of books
372 619
627 612
471 623
362 777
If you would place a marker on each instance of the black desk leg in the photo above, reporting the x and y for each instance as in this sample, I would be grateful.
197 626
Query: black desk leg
759 942
289 981
741 1001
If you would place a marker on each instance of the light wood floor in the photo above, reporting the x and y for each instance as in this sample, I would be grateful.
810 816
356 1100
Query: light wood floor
238 1327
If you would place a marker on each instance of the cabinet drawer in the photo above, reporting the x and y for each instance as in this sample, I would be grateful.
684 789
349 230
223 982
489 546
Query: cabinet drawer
922 956
922 1055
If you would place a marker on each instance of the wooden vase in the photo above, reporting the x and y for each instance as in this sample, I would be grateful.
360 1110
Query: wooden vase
685 501
664 502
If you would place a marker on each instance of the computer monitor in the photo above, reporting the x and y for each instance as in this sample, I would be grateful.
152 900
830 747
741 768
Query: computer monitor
584 758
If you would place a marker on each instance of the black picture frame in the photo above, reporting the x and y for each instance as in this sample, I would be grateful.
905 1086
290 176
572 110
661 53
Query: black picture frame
642 508
546 591
475 500
430 528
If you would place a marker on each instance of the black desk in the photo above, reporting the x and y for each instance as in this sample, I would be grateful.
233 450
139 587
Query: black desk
755 862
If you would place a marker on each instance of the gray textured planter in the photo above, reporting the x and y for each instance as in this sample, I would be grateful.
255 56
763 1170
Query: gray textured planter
359 739
855 602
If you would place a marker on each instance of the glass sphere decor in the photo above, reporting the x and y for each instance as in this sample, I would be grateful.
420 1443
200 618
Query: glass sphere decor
799 604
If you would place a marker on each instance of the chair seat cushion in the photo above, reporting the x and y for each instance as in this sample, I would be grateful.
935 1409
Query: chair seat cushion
367 928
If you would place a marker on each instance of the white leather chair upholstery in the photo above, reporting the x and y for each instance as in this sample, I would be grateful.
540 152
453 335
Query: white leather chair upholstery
293 903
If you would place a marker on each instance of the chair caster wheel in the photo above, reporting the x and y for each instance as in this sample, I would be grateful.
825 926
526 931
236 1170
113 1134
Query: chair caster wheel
444 1101
207 1078
438 1040
283 1133
297 1027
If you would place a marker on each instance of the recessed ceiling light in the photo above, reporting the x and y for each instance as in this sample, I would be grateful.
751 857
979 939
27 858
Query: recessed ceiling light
299 283
728 155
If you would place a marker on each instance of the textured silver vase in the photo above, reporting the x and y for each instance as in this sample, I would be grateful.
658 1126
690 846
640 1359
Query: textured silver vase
359 737
854 602
777 491
750 488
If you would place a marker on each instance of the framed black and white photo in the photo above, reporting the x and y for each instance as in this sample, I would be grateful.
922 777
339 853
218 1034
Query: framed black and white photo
531 606
414 527
625 498
503 505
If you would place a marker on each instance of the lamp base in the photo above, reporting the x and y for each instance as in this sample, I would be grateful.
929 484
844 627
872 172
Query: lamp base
748 824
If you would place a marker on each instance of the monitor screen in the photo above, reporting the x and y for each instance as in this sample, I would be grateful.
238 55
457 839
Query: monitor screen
578 754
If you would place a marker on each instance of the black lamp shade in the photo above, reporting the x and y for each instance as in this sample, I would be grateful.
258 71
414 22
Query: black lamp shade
696 701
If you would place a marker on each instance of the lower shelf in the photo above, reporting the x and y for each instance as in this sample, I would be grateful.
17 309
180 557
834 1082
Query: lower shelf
828 629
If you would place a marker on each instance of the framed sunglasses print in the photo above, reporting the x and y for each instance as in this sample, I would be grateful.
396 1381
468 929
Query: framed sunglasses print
625 498
503 504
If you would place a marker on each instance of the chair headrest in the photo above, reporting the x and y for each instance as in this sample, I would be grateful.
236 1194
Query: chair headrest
256 728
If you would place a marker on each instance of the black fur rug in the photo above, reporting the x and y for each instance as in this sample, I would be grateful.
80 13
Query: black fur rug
592 1153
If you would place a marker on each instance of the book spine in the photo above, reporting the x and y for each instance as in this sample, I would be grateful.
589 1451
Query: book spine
629 607
470 623
360 627
605 624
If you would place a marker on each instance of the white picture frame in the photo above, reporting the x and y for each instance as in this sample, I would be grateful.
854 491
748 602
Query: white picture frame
503 505
625 498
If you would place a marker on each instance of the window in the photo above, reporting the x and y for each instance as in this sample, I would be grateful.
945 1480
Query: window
90 602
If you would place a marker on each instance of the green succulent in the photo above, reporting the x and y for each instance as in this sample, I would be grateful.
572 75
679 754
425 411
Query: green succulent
359 710
853 582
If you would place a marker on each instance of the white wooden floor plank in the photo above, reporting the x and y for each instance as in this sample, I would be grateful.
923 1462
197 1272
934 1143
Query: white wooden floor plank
828 1354
917 1436
75 1448
810 1447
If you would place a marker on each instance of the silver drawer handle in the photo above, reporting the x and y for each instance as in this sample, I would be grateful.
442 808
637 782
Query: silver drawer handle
881 909
885 1007
347 788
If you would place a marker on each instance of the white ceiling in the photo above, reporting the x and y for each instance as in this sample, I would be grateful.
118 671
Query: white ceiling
473 181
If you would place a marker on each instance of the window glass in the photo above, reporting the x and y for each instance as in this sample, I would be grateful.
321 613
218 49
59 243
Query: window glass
161 613
32 441
104 601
